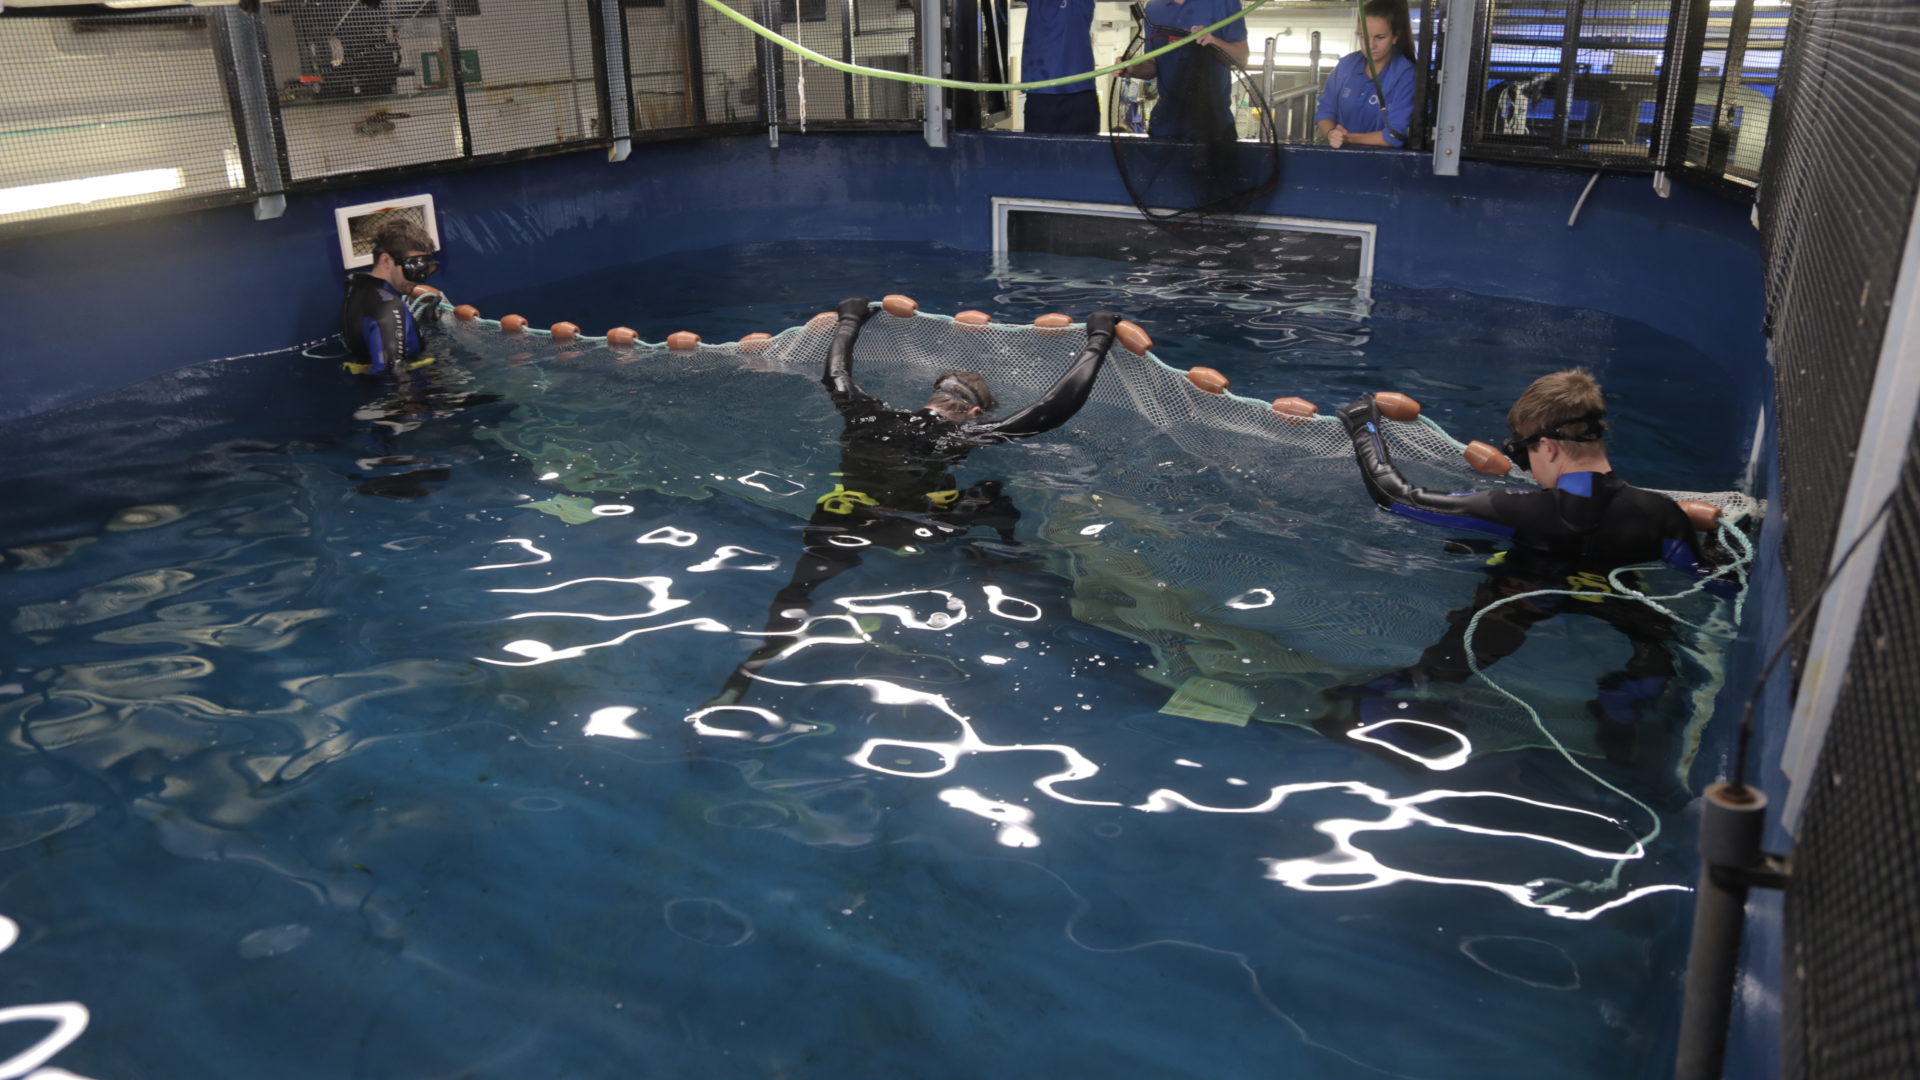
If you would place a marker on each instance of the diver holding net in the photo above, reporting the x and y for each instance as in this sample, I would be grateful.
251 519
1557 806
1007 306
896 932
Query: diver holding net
1570 541
896 488
1193 170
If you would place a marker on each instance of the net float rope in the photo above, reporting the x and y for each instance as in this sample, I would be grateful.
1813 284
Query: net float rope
1295 421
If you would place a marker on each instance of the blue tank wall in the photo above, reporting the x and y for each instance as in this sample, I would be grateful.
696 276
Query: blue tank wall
94 309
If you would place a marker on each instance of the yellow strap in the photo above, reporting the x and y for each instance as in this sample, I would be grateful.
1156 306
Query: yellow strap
941 500
357 369
842 501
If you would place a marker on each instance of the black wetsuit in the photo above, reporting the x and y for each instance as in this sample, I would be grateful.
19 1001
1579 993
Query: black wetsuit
1568 537
377 326
896 488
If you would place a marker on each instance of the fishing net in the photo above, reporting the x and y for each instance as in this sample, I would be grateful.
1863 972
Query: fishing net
1205 525
1196 144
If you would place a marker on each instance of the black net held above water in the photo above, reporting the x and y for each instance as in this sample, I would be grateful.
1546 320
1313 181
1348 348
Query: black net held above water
1196 145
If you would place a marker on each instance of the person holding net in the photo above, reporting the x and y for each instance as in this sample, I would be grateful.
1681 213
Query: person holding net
1368 100
896 486
1195 99
1584 523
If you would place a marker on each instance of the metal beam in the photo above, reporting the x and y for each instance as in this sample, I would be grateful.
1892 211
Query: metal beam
1456 66
933 61
253 107
615 91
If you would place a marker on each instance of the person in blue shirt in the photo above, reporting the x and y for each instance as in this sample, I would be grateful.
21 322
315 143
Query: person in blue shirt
1176 117
1059 42
1369 98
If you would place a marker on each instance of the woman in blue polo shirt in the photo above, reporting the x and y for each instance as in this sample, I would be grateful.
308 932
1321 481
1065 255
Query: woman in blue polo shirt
1369 98
1059 42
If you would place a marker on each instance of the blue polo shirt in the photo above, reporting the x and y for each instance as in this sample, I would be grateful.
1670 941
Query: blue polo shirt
1170 20
1351 101
1058 41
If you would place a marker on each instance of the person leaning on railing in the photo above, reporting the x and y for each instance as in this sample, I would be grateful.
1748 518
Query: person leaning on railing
1369 96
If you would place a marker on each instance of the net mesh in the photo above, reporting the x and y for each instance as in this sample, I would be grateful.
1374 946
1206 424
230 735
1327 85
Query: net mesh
1160 501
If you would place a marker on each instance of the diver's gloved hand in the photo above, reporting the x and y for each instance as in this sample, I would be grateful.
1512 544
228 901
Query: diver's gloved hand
1358 413
858 307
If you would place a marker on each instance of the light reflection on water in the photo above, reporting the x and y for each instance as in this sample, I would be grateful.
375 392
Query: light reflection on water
366 772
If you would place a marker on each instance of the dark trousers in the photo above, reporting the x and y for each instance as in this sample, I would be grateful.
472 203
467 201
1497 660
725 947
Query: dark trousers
1064 114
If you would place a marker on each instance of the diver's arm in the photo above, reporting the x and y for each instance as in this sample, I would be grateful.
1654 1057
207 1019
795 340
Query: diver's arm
838 379
1058 404
1474 510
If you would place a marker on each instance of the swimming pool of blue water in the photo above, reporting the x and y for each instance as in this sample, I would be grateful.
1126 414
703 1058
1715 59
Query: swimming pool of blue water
328 753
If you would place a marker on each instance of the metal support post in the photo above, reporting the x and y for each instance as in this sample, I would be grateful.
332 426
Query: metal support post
933 61
772 72
239 38
1569 72
1731 862
1456 63
614 80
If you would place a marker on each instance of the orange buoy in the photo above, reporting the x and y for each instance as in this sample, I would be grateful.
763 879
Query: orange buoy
1132 337
1397 406
683 339
622 335
1207 379
1293 409
973 318
754 343
1484 458
418 289
565 331
1053 320
1704 515
823 323
466 313
902 306
513 324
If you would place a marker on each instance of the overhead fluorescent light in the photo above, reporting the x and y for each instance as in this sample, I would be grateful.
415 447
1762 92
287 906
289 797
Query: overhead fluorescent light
20 200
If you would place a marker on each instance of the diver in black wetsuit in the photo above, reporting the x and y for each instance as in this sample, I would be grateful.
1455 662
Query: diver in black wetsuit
375 320
1584 523
896 486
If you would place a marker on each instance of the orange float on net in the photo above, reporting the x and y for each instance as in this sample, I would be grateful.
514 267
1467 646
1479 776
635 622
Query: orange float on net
513 324
466 313
683 339
565 331
902 306
622 335
1397 406
1132 337
754 343
973 318
823 323
1484 458
1052 323
1207 379
1295 409
1704 515
420 289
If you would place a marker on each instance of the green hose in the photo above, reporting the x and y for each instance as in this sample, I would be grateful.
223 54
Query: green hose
956 84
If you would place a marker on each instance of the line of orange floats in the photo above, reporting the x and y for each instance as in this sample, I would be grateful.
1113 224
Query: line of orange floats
1482 457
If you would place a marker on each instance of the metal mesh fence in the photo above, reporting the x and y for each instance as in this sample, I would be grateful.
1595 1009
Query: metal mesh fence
360 88
112 111
872 33
1725 124
1568 80
1853 925
1835 211
1834 215
528 75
